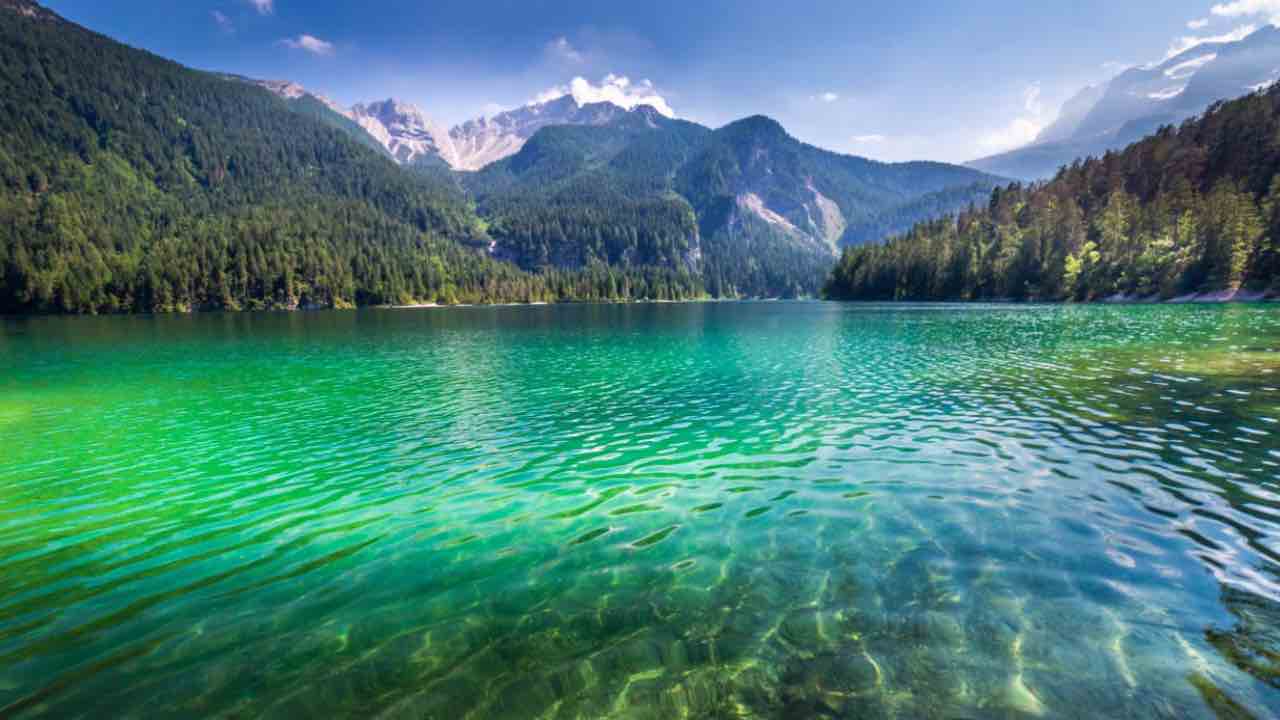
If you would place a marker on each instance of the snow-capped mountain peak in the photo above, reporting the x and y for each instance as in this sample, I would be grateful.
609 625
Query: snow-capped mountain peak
411 137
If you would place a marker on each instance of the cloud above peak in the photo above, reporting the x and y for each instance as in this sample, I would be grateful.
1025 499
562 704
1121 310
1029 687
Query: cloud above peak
309 43
264 7
223 22
562 50
1249 8
1187 42
616 89
1021 130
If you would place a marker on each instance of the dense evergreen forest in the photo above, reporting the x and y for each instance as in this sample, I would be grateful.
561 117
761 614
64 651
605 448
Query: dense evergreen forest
1189 210
648 190
130 183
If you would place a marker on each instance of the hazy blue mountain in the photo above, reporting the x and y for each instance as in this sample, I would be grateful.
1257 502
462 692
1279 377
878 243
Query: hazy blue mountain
1140 100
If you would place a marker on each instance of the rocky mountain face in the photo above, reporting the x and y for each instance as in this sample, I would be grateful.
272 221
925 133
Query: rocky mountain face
753 173
413 138
27 9
408 134
1140 100
750 208
487 140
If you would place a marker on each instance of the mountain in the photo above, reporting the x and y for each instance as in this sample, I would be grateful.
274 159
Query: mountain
412 138
1073 114
131 183
1140 100
318 107
487 140
1192 212
406 133
751 208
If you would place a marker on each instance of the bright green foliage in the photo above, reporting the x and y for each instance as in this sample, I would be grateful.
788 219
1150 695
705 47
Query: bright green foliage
129 183
1188 210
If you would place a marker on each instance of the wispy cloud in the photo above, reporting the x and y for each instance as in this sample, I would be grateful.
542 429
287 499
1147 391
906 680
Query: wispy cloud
1187 42
826 97
309 43
264 7
223 22
562 50
1021 130
616 89
1184 70
1250 8
868 139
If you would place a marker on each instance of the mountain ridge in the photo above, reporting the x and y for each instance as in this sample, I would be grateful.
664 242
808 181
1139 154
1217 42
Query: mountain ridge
1140 100
129 183
1184 214
411 137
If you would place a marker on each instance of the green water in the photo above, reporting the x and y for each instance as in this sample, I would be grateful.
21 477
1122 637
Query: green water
740 510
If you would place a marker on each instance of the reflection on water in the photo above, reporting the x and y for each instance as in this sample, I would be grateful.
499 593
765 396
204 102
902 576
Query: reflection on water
740 510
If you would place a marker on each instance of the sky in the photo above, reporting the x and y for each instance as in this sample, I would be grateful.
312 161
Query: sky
919 80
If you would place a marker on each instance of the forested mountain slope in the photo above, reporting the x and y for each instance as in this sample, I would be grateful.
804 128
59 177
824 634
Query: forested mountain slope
752 209
1192 210
128 182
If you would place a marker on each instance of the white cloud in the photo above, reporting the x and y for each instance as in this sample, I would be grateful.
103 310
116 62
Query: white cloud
1250 8
1187 42
264 7
1031 99
1200 24
1184 70
615 89
561 49
1020 131
223 22
1168 94
868 139
826 97
310 43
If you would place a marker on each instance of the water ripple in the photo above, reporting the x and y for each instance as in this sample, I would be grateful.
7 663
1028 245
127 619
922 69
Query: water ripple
738 510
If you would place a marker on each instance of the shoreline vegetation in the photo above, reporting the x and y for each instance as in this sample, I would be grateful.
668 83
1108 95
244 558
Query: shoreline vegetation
1220 298
214 196
1188 213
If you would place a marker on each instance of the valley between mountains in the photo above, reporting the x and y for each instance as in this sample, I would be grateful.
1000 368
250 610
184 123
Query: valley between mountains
131 183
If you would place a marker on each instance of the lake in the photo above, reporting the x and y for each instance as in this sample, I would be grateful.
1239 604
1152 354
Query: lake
651 511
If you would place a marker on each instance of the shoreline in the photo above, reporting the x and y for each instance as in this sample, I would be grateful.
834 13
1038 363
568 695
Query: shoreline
1218 298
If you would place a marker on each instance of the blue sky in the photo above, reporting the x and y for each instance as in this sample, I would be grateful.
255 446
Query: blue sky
923 79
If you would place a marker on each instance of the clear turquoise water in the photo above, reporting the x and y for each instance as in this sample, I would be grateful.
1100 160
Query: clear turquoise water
737 510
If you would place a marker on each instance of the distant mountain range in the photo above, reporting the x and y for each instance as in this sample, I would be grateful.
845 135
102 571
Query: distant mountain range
860 201
412 138
128 182
1140 100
